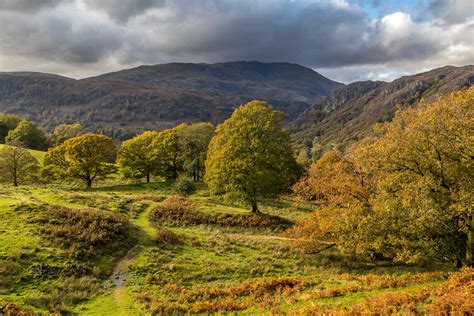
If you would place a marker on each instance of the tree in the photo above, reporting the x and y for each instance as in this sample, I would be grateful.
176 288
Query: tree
8 122
250 156
194 140
17 165
406 192
86 157
138 158
63 132
30 135
166 147
424 164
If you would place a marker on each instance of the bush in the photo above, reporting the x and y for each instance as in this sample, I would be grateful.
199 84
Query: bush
264 292
7 308
177 210
184 186
82 233
165 237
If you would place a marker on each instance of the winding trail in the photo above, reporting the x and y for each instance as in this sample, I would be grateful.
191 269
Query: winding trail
118 301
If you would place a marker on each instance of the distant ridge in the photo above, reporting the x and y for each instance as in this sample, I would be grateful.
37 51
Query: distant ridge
348 113
125 102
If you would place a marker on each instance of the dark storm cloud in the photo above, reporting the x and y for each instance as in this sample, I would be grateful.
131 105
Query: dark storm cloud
28 5
112 34
123 10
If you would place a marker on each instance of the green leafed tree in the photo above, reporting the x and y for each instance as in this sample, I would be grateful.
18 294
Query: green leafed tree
167 149
66 131
17 165
8 122
137 157
194 140
30 135
87 158
250 156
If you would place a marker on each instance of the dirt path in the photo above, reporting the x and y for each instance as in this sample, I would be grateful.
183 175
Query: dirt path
118 301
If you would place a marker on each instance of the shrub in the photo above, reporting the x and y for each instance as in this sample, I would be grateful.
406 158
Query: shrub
184 186
177 210
264 292
7 308
165 237
82 233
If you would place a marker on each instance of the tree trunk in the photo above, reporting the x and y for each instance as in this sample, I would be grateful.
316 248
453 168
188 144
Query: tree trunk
175 169
197 170
89 183
148 177
255 207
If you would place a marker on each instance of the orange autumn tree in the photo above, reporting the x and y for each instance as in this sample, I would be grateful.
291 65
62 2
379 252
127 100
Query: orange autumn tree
406 193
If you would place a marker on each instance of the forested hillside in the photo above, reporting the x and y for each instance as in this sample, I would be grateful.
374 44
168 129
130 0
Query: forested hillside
349 112
124 103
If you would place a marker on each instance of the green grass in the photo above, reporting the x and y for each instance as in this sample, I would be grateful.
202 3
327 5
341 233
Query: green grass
209 257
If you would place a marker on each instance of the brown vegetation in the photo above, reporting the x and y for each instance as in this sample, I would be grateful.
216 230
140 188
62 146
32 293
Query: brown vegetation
82 233
177 210
265 293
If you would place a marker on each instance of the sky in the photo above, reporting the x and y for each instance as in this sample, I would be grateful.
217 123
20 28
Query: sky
345 40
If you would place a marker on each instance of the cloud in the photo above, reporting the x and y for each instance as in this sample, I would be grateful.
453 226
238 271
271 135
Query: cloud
452 11
85 37
28 5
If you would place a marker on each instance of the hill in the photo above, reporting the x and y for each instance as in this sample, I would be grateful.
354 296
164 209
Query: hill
160 96
348 113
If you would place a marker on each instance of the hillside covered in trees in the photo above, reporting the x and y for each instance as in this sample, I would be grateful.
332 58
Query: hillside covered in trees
130 101
349 112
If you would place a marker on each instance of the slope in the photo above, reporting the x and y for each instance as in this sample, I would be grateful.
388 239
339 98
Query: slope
125 102
349 112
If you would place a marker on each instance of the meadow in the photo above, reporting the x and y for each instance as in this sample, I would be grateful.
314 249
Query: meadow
138 249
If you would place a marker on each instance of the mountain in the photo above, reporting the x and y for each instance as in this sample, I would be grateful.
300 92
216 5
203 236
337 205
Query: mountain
348 113
154 97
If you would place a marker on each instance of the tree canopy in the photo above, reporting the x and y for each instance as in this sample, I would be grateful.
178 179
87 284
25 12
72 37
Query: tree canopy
194 140
28 134
250 156
86 158
63 132
405 192
138 158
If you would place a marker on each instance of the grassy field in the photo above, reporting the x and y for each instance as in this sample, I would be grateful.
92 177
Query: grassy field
122 249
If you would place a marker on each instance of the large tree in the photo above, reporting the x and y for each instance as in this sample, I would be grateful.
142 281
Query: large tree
17 165
406 192
167 148
250 156
30 135
138 158
86 158
194 140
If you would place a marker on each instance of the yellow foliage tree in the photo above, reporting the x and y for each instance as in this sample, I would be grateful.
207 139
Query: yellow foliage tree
86 157
250 156
408 191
